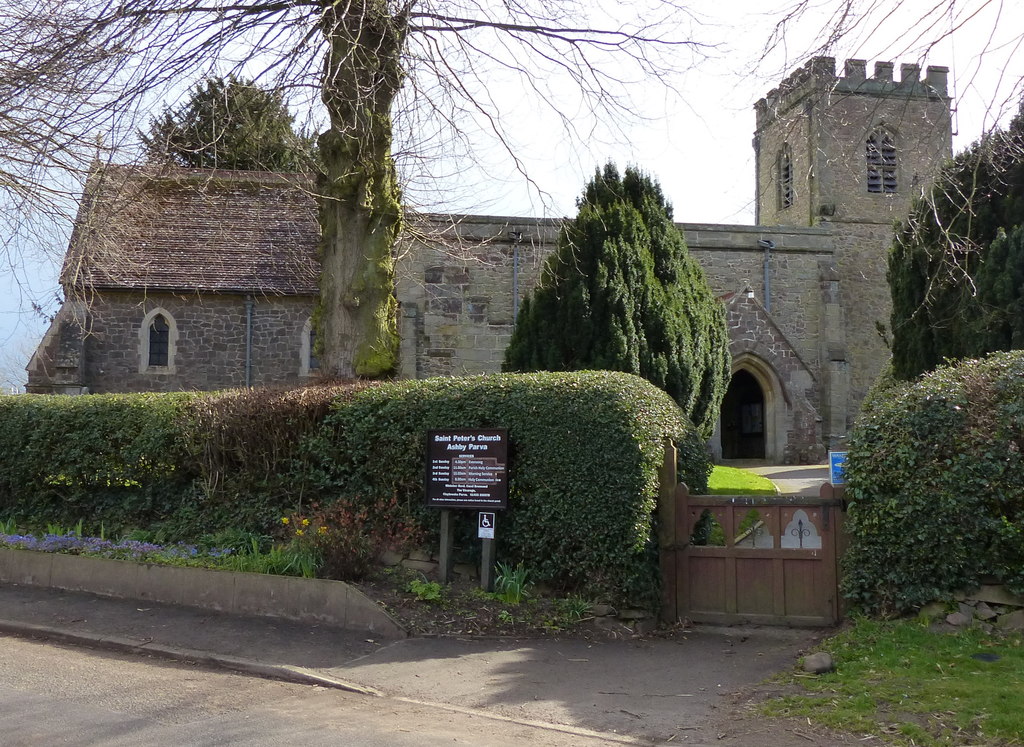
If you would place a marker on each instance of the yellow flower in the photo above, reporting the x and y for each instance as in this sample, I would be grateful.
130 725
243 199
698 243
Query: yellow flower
305 522
284 519
299 533
322 530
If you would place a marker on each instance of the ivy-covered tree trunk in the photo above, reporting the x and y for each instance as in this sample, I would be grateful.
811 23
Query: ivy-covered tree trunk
360 201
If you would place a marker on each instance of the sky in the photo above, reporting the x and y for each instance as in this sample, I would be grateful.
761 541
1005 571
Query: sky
694 135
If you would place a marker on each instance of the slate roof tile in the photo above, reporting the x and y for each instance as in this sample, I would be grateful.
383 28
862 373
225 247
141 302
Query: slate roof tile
147 228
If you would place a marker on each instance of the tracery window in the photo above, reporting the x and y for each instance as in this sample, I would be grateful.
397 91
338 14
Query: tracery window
308 362
158 336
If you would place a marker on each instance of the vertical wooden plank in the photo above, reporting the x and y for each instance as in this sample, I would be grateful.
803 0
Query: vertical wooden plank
778 564
682 552
829 580
683 527
667 539
841 542
667 497
487 564
731 585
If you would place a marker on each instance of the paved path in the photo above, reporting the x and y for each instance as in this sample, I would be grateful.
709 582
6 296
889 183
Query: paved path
690 688
796 479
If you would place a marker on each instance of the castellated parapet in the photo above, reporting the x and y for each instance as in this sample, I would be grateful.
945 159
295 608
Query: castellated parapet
819 74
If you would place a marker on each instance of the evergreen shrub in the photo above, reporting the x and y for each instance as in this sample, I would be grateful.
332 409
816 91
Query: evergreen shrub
585 449
622 293
935 476
117 458
957 262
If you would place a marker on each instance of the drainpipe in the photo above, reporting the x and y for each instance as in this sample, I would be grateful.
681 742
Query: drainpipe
248 340
516 237
767 245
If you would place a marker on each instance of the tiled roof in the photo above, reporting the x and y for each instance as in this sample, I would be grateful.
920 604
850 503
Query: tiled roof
195 230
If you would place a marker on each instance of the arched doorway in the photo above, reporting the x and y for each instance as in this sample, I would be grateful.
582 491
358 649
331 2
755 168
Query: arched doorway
743 418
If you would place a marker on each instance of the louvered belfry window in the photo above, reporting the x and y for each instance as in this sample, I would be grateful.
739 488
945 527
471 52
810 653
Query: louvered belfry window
881 163
785 166
159 340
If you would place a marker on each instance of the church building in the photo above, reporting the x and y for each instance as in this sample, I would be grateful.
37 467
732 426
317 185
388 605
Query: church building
185 279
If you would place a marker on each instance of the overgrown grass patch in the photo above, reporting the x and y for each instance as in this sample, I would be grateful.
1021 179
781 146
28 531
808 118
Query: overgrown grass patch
735 481
906 684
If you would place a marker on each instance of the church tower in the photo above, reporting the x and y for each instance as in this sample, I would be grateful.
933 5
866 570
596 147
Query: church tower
849 153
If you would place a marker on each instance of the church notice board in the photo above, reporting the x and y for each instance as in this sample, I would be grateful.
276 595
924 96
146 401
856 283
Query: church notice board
467 469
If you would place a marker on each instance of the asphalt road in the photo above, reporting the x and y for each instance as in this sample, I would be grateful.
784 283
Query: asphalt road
52 694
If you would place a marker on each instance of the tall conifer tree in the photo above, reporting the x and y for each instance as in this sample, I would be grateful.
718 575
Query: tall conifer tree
951 265
622 293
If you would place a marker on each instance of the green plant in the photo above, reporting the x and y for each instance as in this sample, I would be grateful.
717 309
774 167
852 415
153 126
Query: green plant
8 526
281 560
229 123
574 608
907 685
425 591
933 477
115 459
349 535
510 584
583 480
622 293
955 267
235 539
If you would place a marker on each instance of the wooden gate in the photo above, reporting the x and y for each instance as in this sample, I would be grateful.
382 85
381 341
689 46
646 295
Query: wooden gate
744 559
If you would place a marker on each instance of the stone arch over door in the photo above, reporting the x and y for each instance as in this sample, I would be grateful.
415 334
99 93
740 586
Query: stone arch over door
753 412
774 375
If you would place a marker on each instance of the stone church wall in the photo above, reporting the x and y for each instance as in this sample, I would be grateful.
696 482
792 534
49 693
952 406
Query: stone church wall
208 342
455 287
456 304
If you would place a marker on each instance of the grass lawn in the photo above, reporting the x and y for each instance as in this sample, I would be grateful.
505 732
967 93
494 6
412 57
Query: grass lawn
905 684
733 481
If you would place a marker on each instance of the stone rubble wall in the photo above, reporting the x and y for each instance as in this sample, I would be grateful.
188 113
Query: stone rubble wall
210 349
456 293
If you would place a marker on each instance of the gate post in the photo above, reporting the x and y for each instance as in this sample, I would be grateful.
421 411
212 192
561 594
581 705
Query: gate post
840 539
667 480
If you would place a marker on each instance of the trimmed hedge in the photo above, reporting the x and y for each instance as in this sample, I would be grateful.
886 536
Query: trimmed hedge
116 459
585 449
936 482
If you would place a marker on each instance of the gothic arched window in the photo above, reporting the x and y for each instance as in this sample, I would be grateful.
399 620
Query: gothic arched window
158 335
308 362
159 341
880 154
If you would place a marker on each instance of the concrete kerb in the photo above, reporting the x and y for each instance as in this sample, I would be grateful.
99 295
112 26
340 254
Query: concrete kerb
306 600
283 672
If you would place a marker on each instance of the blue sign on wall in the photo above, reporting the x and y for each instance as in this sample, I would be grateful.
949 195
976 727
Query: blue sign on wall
837 467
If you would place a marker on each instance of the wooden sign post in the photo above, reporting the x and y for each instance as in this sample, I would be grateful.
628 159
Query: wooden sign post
468 469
